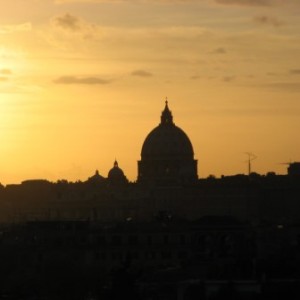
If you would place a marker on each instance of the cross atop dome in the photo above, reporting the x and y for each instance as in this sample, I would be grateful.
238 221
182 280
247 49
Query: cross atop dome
166 116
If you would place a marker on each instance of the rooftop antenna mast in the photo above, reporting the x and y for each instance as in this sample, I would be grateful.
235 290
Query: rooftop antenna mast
251 157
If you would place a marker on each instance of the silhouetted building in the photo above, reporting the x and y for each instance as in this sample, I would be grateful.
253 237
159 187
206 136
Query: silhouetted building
116 176
96 178
192 238
294 169
167 187
167 156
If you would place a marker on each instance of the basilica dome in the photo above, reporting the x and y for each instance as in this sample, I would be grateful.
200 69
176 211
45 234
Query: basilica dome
169 141
167 153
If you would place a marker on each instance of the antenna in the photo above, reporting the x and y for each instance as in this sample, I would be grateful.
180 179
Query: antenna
251 157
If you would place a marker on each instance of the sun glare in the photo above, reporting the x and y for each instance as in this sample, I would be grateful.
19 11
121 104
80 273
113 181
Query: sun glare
12 61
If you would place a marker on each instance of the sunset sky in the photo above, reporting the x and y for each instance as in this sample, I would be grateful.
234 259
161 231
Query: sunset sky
82 82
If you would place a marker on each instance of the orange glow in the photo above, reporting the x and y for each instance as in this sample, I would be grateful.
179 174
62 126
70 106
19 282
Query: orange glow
83 83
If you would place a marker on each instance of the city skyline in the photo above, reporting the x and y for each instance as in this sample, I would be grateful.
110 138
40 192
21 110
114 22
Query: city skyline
83 82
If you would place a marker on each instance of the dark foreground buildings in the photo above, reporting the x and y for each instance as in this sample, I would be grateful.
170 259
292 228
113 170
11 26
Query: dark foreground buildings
169 235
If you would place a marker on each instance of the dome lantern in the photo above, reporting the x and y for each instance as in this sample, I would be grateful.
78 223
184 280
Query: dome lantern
166 116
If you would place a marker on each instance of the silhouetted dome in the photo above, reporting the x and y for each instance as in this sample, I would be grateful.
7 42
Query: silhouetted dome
167 154
167 140
96 178
116 175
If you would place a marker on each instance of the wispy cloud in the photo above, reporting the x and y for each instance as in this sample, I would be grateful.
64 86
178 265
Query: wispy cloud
141 73
252 112
246 2
268 20
68 22
272 74
67 25
122 1
5 71
172 2
69 32
85 1
295 71
78 36
118 1
5 75
228 78
219 50
259 3
194 77
81 80
12 88
11 28
287 86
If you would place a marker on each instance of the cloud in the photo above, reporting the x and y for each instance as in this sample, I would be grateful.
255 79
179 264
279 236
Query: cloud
64 28
252 111
5 71
6 29
12 88
245 2
141 73
295 71
272 74
70 33
172 2
68 22
129 1
81 80
194 77
258 3
287 86
67 25
228 78
85 1
267 20
219 50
